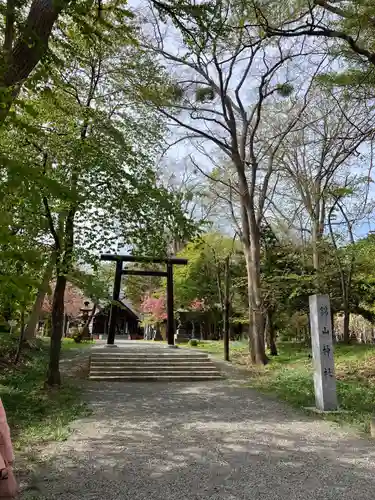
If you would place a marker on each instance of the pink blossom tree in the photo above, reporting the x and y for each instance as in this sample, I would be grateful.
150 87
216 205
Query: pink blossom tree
154 308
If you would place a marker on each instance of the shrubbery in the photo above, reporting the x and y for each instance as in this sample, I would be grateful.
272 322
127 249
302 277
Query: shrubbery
193 343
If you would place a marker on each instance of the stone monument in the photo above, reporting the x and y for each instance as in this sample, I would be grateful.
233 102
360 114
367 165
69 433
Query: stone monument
322 351
181 334
85 330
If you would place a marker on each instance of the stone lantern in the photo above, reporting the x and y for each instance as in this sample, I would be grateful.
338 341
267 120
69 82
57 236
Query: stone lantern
86 310
182 334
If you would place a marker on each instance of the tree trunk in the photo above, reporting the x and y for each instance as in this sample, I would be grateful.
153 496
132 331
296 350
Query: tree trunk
251 244
256 318
257 300
30 330
22 337
273 347
315 237
226 309
251 337
271 332
345 284
318 219
17 64
91 316
53 377
333 325
346 325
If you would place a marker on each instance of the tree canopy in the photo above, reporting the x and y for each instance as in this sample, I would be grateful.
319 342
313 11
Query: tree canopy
236 134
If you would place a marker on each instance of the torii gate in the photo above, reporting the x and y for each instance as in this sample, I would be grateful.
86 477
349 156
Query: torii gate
119 259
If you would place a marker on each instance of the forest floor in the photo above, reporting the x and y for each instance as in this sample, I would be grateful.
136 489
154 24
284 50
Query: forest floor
35 413
289 377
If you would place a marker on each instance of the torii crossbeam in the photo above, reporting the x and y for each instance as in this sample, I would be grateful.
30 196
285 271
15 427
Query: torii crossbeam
120 259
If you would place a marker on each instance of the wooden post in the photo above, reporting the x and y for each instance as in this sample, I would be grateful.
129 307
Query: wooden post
170 315
114 307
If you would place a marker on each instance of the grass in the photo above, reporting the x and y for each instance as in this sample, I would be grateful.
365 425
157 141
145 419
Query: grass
37 414
289 377
238 350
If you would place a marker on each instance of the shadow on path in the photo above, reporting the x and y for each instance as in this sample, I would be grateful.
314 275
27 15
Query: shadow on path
211 440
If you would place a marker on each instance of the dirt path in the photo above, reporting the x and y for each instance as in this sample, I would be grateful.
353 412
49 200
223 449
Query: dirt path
214 440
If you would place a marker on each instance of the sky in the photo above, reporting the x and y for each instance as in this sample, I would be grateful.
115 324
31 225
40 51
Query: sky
178 156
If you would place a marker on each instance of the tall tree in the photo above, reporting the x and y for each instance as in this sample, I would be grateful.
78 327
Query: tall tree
315 157
91 170
27 28
351 22
217 102
25 42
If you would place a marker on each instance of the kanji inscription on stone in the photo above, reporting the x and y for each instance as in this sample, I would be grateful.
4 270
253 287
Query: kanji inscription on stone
323 310
326 350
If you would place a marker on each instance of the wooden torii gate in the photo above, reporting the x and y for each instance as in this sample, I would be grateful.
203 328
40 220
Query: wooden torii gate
120 259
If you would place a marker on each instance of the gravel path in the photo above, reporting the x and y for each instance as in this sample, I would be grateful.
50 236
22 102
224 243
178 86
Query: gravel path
210 441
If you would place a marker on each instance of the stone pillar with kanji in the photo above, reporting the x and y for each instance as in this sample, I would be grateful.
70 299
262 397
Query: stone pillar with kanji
322 351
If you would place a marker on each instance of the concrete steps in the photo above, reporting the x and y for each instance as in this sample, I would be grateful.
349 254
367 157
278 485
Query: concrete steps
156 378
152 367
150 364
96 372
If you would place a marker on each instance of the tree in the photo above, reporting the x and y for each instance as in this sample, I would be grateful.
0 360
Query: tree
136 288
26 33
74 299
25 43
154 308
92 160
22 249
349 208
210 84
318 155
30 330
193 194
202 277
214 260
350 22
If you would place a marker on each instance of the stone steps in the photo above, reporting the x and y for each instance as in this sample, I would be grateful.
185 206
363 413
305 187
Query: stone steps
96 370
148 359
137 364
153 364
150 355
155 378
